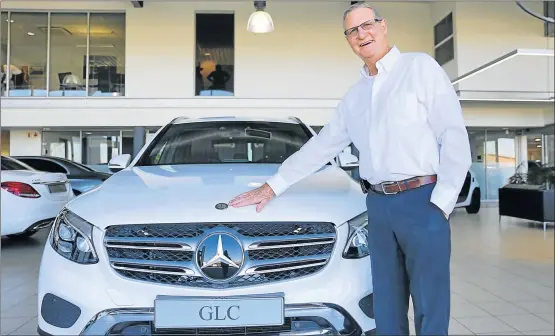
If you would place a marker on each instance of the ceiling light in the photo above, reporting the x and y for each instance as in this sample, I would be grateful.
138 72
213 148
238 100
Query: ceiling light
260 21
30 33
539 146
537 139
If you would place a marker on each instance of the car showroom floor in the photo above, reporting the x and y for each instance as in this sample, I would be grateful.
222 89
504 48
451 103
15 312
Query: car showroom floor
502 278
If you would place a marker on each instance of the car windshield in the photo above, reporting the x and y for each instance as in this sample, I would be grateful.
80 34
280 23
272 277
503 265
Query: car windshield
225 142
12 164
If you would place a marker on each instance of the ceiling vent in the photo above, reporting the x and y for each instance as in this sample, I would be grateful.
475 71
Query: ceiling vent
55 31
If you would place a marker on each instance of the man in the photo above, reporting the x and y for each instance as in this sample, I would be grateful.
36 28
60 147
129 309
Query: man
406 120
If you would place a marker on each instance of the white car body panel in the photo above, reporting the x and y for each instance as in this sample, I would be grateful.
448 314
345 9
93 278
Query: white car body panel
181 194
19 213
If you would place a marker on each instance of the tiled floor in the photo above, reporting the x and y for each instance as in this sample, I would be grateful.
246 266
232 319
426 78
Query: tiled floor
502 278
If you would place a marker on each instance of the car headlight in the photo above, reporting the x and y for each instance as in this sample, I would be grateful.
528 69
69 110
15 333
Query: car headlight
71 237
357 244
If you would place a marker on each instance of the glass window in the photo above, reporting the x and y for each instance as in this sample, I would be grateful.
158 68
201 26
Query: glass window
9 163
68 49
225 142
107 54
477 149
534 148
62 144
445 52
214 60
44 165
127 142
99 147
28 50
443 29
3 50
500 160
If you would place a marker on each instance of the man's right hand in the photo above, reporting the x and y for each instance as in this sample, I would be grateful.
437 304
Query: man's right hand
259 196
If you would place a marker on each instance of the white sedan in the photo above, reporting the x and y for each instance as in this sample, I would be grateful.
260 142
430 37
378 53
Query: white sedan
31 199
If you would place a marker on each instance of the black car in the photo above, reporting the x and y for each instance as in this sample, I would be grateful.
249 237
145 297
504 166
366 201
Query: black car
81 177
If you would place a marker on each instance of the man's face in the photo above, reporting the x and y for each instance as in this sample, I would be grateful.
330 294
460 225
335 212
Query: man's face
371 38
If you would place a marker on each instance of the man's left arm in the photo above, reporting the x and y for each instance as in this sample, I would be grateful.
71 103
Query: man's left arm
447 122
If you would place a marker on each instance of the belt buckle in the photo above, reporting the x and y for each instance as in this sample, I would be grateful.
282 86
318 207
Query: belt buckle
388 184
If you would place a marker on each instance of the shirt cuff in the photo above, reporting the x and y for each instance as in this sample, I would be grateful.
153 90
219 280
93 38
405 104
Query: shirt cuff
278 184
445 198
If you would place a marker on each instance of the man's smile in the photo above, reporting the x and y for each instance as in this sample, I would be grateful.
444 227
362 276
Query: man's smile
365 43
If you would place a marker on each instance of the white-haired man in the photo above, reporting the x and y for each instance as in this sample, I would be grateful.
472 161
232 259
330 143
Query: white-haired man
406 120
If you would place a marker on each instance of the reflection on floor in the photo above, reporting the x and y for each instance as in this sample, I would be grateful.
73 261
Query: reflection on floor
502 278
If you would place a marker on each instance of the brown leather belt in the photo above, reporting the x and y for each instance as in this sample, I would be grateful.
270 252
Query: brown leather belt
391 188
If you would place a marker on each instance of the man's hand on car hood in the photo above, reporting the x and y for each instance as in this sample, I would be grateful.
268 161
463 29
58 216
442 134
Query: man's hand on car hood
259 196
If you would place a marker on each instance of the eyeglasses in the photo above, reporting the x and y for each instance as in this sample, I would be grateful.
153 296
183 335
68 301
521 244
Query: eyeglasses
366 26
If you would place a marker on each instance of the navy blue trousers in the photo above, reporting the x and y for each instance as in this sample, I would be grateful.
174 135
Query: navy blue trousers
410 252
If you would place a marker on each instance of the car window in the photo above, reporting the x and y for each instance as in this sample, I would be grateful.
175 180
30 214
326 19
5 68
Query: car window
8 163
225 142
45 165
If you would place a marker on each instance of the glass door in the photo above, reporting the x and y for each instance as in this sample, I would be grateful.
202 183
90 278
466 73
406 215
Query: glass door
500 160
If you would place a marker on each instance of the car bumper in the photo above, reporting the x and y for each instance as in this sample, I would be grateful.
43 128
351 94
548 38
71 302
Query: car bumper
35 216
92 299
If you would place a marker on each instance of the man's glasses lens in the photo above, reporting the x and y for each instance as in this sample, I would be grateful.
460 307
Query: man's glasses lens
365 26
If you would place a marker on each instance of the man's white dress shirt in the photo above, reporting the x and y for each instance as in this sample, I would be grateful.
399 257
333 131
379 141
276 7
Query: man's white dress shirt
406 121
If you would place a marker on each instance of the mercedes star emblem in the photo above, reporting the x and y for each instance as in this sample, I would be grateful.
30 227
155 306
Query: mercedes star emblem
220 256
221 206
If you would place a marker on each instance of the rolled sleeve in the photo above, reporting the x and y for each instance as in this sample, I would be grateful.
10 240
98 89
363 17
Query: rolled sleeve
314 154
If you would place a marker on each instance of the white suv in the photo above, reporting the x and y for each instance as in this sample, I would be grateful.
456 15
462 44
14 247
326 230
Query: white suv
155 249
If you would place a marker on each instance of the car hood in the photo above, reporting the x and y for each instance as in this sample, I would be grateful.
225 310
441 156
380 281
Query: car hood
189 193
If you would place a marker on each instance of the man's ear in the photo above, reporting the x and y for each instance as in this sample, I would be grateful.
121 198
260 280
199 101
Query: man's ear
384 25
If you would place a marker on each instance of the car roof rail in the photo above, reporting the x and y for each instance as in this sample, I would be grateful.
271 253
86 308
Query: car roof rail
296 119
178 118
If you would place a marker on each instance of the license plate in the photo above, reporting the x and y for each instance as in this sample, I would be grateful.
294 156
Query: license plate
207 312
57 188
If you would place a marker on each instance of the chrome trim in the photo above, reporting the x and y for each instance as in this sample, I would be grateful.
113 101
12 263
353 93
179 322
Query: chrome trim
268 250
135 243
50 182
291 241
335 320
309 263
185 271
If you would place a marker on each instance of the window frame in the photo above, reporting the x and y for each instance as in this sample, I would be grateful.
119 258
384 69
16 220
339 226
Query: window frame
48 45
549 28
194 57
450 38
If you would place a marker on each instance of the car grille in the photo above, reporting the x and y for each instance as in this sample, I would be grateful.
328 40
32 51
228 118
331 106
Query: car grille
164 253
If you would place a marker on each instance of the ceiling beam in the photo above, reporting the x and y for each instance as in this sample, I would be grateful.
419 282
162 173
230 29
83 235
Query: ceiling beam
138 4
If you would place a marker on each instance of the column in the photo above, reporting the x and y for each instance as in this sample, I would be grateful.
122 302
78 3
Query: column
521 142
139 134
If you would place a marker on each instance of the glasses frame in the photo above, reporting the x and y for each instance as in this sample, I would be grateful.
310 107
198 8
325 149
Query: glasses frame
366 26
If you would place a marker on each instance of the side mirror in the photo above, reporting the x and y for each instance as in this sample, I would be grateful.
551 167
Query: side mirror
119 162
347 160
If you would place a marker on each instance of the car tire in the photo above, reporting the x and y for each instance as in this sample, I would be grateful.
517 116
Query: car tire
474 206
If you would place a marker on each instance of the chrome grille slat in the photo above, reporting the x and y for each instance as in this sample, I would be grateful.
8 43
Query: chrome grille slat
165 253
174 244
153 263
155 271
286 266
289 241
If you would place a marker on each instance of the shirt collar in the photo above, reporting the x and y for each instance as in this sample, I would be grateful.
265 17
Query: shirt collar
385 64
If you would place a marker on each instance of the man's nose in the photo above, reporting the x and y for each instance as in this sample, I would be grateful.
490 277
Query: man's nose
361 33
